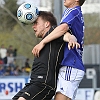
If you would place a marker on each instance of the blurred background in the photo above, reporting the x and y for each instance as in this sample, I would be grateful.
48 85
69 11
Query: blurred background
18 40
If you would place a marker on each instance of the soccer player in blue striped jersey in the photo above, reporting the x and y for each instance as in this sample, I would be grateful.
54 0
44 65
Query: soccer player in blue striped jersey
72 69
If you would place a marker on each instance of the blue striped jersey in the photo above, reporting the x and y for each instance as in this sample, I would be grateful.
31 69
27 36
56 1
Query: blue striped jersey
74 18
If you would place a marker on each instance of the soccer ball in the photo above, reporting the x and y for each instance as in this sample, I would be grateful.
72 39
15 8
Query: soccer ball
27 13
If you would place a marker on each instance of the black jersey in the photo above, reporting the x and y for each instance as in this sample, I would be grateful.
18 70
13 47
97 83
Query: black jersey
45 67
44 72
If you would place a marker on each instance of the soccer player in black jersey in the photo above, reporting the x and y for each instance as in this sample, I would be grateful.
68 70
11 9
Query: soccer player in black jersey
45 68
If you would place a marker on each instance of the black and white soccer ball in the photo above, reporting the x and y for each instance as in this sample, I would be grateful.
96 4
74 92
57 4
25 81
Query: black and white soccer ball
27 13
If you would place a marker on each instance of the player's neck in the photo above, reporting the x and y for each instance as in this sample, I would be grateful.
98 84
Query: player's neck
73 5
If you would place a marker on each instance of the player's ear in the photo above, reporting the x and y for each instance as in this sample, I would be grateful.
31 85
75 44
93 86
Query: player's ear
47 24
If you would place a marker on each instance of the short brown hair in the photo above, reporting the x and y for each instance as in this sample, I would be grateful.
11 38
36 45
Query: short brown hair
48 16
81 2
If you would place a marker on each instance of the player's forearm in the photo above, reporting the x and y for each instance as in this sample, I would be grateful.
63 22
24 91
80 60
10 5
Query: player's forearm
56 33
67 37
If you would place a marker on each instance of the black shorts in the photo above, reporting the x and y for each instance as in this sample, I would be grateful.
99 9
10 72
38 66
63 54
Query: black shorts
35 91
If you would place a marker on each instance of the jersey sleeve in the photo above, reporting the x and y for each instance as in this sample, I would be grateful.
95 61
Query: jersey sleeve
69 16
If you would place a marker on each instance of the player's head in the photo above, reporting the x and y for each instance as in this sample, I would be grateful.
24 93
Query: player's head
43 23
73 3
48 16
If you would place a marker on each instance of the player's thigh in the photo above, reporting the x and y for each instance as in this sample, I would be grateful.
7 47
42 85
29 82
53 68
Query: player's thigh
38 91
20 92
32 91
21 98
60 96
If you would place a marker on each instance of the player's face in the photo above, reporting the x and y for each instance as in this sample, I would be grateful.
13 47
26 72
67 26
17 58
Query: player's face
39 27
70 3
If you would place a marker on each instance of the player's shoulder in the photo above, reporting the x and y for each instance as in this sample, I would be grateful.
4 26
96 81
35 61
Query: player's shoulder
74 11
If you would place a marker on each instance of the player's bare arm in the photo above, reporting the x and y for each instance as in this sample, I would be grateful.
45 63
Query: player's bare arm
72 41
56 33
67 38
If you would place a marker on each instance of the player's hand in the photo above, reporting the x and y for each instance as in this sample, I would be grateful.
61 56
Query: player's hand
36 50
73 44
72 41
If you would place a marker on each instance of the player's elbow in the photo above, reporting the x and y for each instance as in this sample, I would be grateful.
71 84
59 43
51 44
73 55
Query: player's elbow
64 27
